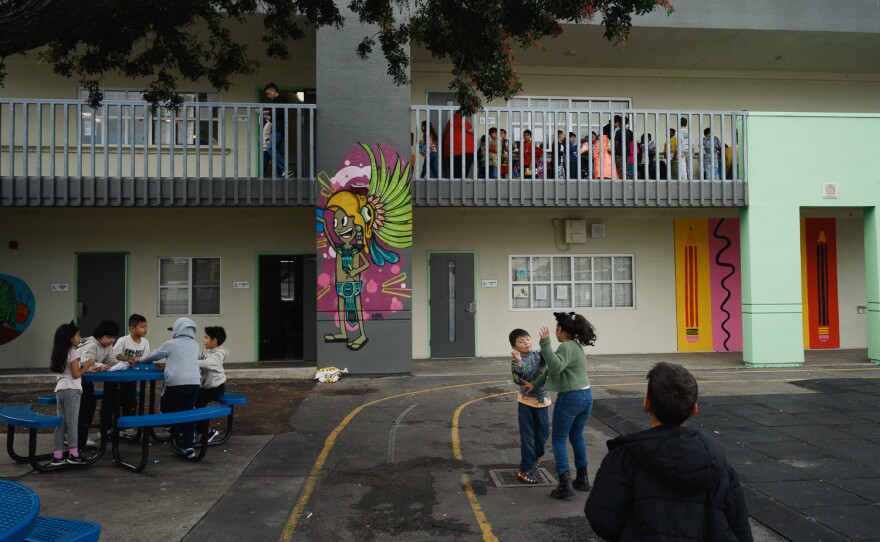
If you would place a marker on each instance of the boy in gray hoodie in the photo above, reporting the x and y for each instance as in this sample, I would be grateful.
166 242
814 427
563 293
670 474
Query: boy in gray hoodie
213 384
98 347
181 355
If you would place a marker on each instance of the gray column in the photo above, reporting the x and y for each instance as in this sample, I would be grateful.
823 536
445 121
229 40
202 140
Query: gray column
357 102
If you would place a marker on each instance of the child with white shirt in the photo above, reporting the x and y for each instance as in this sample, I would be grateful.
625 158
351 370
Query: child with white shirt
130 349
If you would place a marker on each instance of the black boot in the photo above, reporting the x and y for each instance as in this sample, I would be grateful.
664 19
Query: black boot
581 482
564 490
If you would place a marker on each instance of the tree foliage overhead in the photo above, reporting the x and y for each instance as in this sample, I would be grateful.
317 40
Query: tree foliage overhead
166 41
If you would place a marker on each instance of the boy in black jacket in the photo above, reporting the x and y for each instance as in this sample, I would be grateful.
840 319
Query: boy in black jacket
669 482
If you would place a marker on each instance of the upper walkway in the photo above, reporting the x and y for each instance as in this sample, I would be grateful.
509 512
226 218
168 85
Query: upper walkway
63 153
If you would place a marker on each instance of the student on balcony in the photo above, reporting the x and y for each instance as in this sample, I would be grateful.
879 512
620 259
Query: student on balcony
603 162
458 147
532 166
711 172
278 121
428 150
624 142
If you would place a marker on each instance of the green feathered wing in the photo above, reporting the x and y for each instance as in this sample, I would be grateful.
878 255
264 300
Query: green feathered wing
392 196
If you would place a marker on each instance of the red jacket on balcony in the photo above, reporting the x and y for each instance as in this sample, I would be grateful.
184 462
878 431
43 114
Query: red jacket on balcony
463 145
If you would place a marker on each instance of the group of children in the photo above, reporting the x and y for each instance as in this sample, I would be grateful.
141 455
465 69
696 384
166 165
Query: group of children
193 378
669 482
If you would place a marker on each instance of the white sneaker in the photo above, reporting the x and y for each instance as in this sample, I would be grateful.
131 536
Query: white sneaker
189 453
129 433
91 443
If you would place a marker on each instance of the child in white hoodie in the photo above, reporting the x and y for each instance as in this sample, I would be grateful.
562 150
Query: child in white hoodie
213 382
181 355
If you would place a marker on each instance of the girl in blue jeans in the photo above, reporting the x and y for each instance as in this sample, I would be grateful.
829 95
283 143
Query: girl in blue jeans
567 374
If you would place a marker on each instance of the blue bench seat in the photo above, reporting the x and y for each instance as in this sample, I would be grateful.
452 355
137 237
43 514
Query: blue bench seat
51 400
50 529
162 420
24 416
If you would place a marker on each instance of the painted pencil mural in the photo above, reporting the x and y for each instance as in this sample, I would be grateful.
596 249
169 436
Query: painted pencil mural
707 281
819 283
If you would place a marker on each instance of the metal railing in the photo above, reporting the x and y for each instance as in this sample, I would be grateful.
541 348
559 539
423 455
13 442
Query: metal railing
128 139
627 146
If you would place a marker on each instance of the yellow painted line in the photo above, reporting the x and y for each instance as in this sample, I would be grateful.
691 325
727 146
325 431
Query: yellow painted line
309 487
311 480
485 526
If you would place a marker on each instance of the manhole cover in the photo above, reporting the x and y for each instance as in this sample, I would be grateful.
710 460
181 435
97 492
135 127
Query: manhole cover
507 478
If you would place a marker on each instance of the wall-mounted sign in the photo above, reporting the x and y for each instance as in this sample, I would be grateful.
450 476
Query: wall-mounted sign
59 287
489 283
241 284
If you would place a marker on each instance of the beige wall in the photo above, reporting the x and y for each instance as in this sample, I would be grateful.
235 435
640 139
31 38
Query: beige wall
49 238
652 89
28 78
648 234
499 233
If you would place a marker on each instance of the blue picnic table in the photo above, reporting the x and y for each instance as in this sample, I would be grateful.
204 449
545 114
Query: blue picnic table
18 515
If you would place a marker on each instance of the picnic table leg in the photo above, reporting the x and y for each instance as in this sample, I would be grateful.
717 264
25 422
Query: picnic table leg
34 459
145 454
228 432
10 448
142 431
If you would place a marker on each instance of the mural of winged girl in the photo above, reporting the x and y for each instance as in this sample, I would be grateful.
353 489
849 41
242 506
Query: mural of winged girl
362 225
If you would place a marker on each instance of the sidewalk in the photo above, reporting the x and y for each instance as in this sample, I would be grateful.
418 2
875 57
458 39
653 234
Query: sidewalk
805 441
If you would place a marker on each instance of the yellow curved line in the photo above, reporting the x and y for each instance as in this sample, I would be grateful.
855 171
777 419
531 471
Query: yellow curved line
311 480
485 526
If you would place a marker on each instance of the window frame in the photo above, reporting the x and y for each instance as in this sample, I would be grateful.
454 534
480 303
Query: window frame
131 109
189 287
571 282
535 115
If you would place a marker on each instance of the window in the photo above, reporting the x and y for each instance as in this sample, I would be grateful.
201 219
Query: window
116 122
591 114
189 286
572 282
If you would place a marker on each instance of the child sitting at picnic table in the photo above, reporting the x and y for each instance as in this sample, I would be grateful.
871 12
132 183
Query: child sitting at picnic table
181 355
213 377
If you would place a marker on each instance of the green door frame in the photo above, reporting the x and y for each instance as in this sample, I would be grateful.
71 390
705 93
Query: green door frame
428 290
257 293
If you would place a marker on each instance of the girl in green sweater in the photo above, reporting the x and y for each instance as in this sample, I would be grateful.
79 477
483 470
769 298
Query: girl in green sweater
567 374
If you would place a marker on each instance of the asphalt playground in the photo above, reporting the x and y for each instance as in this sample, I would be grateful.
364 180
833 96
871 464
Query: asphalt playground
430 456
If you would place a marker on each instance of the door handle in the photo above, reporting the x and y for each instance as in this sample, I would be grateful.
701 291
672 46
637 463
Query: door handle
80 310
472 307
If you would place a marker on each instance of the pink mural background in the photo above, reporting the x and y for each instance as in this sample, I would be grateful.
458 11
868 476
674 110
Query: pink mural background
726 284
387 288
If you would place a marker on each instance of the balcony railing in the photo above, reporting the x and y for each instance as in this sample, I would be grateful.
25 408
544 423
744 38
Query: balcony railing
62 152
126 152
628 157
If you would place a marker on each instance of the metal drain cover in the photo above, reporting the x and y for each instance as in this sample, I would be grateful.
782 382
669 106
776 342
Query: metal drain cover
507 478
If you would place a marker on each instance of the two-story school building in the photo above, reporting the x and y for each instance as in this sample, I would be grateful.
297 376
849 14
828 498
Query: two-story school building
753 227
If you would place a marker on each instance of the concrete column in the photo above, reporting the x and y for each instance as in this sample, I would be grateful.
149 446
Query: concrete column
872 275
358 102
772 305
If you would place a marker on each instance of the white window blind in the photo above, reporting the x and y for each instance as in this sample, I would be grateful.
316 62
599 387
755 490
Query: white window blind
572 282
189 286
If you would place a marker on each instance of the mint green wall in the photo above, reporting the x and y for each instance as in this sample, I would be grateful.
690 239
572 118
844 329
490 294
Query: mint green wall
790 157
872 275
